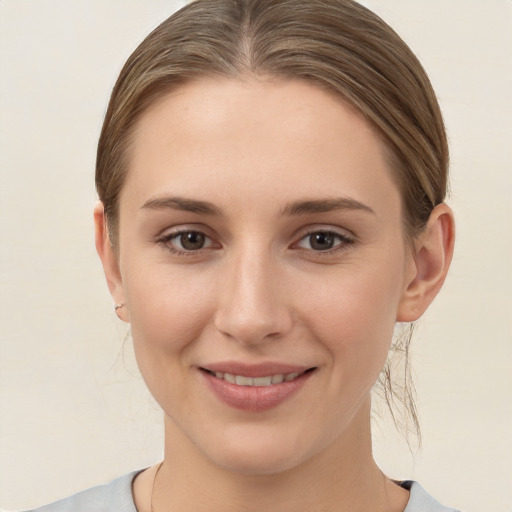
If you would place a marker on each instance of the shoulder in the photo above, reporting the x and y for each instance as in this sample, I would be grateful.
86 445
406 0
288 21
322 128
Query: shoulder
421 501
116 495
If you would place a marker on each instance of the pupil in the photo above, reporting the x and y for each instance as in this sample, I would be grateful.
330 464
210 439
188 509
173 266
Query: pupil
192 241
321 241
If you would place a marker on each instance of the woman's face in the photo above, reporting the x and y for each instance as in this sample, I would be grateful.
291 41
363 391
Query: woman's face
261 242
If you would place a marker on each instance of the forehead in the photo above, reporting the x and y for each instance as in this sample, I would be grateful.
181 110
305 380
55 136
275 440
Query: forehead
258 138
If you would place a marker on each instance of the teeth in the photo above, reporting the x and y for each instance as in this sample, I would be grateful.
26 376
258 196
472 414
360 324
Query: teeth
277 379
262 381
242 380
229 378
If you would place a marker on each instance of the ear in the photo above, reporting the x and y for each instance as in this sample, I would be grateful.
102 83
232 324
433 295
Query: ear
109 260
433 251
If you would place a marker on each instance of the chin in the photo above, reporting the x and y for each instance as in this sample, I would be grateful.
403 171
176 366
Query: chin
264 462
259 453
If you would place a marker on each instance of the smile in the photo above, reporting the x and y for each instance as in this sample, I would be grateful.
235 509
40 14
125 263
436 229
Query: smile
269 380
256 388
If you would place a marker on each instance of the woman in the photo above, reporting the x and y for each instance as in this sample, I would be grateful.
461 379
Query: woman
271 176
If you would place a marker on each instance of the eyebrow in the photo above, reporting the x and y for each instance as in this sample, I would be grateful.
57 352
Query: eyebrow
291 209
183 204
325 205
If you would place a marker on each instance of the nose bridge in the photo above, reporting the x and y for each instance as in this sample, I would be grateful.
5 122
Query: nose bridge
251 306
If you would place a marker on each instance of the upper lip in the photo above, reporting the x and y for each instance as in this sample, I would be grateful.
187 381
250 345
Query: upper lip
255 370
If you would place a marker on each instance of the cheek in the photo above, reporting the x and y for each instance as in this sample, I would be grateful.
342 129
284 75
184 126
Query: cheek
168 312
354 315
166 302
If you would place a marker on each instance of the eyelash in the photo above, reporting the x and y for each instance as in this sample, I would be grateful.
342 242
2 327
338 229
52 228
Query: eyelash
166 240
343 241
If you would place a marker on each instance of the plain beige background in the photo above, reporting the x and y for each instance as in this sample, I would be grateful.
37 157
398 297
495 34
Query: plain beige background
73 410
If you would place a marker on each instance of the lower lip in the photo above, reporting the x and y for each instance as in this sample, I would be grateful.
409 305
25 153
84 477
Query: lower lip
254 398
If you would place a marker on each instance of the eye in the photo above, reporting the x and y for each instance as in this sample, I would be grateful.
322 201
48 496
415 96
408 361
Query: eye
186 241
324 240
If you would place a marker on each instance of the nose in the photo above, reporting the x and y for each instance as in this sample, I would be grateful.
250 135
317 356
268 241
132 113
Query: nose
252 303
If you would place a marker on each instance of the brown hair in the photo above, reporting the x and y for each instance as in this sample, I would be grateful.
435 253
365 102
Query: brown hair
336 44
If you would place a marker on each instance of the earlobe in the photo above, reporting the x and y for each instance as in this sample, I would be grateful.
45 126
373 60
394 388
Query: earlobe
432 258
109 259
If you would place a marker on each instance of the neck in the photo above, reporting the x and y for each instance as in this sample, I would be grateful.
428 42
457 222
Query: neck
342 478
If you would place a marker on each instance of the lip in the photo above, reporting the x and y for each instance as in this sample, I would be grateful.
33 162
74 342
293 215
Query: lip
255 370
254 398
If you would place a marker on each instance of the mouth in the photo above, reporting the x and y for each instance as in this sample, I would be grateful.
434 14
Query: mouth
255 388
261 381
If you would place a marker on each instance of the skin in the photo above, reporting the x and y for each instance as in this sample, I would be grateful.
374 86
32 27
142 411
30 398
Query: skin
258 290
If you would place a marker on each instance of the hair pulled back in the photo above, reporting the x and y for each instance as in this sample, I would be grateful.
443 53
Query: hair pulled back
338 45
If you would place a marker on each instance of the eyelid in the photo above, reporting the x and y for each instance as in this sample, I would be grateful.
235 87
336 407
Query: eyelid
326 228
171 231
346 238
165 238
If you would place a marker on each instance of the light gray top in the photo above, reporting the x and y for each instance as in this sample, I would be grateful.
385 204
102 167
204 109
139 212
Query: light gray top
117 497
